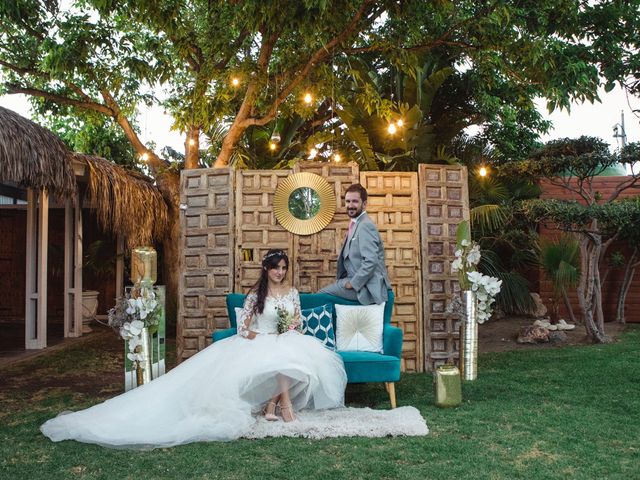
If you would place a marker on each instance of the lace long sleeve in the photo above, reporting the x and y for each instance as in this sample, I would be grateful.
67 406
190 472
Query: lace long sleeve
246 314
297 312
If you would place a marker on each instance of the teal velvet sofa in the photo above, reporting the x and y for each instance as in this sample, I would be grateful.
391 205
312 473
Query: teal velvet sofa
361 367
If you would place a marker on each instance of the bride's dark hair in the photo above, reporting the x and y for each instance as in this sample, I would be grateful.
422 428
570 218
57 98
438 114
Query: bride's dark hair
261 288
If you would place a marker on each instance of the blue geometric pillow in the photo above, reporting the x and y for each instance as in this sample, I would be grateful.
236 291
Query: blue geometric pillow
318 322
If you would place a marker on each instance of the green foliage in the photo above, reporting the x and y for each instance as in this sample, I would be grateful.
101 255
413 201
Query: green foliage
93 135
560 261
461 64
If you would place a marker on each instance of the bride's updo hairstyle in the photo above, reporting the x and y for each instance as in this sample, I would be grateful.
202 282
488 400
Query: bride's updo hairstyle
269 262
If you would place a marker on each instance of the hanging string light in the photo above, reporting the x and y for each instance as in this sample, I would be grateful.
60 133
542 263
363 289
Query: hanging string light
392 128
308 98
235 81
400 123
482 171
312 153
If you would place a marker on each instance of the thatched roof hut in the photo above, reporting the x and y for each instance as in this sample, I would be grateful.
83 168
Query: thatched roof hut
33 157
126 201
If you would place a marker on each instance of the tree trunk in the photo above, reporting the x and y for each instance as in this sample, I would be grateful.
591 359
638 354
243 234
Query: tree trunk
192 148
589 286
229 144
169 185
629 272
567 304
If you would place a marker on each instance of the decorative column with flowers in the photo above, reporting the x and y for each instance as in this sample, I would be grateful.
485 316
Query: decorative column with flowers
139 319
474 305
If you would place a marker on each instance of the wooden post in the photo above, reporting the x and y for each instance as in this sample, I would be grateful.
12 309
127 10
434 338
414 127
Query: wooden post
72 269
36 274
120 266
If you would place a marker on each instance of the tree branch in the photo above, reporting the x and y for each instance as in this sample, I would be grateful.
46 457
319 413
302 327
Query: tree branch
83 104
630 183
318 56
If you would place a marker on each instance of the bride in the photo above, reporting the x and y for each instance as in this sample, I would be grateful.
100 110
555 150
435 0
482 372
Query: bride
216 394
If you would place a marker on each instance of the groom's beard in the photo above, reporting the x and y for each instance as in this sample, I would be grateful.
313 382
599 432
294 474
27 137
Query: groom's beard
354 212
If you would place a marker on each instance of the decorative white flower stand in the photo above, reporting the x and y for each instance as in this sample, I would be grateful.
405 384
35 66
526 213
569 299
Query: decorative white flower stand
157 346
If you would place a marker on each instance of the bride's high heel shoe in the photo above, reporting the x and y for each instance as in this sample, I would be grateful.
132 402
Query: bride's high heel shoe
269 412
287 413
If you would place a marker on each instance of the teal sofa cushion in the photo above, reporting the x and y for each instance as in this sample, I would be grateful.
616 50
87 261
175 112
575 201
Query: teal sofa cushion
318 323
364 367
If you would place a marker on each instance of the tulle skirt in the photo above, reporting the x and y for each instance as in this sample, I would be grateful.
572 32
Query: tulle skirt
214 395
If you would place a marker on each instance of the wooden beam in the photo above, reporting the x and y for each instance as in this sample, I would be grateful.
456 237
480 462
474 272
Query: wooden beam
37 255
120 266
72 269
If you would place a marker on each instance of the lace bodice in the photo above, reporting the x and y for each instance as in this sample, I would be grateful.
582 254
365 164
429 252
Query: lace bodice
267 321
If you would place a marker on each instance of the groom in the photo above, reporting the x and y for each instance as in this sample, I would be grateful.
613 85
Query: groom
362 274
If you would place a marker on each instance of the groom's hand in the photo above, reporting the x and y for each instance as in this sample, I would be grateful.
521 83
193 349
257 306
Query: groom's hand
347 285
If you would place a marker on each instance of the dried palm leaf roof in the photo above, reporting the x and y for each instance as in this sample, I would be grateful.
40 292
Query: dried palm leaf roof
32 156
126 202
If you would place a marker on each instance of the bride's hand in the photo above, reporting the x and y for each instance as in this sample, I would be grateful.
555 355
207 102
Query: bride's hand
251 335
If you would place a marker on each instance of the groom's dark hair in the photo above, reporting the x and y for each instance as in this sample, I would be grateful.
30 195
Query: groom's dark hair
356 187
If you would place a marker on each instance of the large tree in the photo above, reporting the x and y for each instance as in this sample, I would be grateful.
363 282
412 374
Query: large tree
107 57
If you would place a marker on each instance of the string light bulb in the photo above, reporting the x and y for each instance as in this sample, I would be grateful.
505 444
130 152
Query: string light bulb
400 123
235 81
392 128
192 142
312 153
308 98
337 157
272 146
483 171
144 156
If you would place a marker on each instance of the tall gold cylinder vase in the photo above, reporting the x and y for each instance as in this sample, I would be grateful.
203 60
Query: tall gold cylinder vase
143 371
469 337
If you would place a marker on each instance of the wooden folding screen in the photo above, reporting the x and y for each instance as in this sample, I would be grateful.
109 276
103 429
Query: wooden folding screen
228 223
444 204
393 206
207 241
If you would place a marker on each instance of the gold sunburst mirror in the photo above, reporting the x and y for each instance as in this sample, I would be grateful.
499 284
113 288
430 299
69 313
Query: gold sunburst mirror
304 203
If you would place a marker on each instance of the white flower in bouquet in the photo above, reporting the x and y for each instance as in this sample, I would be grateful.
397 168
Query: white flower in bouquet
131 315
486 289
465 265
473 257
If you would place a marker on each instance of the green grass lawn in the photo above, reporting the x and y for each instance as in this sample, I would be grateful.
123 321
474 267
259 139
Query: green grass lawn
569 412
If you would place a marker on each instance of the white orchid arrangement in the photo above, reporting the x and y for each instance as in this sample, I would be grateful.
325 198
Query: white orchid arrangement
486 288
131 314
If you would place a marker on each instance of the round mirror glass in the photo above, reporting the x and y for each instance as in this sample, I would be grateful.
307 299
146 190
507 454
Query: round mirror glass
304 203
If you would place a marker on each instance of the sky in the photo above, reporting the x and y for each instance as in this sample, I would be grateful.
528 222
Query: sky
596 120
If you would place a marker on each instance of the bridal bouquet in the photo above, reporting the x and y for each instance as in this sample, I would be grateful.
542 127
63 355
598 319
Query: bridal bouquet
132 314
485 287
286 320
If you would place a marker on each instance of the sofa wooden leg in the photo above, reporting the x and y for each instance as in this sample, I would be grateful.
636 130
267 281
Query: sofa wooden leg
391 388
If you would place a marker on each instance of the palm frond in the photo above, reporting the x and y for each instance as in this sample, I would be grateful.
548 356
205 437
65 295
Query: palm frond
514 296
488 218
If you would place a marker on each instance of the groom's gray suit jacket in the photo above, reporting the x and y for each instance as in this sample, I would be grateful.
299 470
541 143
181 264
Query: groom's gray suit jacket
361 260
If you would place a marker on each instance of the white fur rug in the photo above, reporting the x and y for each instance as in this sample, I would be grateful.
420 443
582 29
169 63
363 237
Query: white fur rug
345 422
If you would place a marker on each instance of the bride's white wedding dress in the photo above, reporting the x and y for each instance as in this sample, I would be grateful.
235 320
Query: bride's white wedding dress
215 394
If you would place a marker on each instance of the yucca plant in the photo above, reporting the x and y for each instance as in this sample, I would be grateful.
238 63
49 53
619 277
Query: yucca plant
560 262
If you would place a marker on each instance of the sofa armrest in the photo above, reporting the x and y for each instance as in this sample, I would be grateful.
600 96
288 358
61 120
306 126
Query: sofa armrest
222 334
392 340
